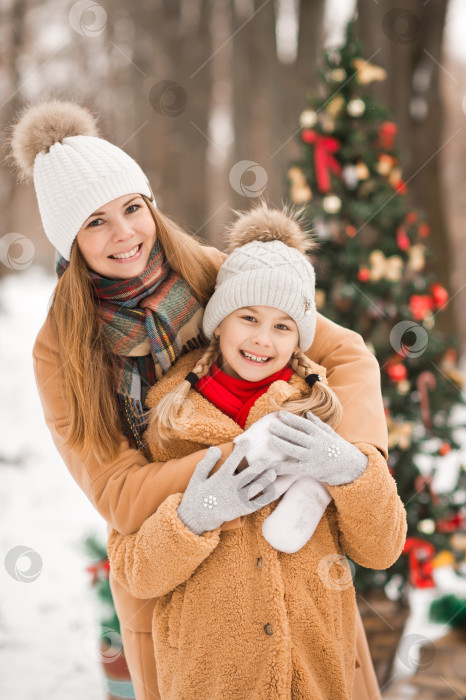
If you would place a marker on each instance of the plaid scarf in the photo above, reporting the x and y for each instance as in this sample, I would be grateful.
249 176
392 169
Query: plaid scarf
149 322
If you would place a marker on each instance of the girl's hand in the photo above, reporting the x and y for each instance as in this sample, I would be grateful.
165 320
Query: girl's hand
210 501
323 454
271 438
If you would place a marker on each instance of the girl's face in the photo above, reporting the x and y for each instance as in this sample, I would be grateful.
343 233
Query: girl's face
256 341
116 241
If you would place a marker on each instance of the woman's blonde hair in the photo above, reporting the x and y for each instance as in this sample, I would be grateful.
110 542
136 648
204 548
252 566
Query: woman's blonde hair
322 401
87 362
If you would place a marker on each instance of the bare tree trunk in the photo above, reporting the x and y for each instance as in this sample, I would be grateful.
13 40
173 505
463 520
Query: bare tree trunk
171 85
13 46
268 96
406 38
255 103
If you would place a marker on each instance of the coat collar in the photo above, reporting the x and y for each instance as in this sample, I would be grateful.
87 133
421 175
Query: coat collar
203 422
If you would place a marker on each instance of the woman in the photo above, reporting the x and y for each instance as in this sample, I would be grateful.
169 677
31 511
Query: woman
115 327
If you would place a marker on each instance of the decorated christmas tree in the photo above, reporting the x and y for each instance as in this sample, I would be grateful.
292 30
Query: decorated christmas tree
99 570
109 646
372 277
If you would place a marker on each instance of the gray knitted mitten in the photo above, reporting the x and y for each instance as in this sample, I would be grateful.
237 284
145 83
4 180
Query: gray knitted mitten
209 502
321 453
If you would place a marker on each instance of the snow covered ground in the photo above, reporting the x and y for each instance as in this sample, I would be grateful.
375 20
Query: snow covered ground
49 623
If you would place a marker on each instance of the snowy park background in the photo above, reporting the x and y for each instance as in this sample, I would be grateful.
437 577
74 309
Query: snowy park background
49 625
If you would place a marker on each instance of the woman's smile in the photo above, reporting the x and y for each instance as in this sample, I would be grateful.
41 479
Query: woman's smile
129 256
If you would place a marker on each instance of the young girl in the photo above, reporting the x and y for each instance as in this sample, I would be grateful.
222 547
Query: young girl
114 326
235 618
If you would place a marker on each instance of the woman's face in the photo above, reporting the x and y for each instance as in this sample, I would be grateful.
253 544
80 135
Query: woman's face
116 241
256 341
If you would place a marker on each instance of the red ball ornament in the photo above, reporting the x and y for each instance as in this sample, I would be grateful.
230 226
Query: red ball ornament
397 372
401 187
439 294
423 230
420 305
449 524
387 133
363 274
351 231
307 136
444 448
402 239
411 217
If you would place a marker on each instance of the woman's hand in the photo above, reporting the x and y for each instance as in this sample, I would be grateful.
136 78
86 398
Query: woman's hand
320 452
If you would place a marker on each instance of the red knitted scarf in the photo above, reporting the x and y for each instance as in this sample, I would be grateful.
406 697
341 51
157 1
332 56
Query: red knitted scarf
235 397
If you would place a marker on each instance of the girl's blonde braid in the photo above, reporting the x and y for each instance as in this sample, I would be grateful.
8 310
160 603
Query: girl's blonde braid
322 400
163 416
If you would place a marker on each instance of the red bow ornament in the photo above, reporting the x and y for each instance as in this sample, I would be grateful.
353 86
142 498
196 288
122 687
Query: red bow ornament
420 554
325 161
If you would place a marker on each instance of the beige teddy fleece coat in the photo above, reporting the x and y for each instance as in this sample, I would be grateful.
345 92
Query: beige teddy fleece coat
236 619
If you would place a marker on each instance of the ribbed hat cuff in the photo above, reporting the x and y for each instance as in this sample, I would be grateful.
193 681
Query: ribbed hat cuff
264 287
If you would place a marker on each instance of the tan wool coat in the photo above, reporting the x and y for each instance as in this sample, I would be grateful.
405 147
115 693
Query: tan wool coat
236 619
129 488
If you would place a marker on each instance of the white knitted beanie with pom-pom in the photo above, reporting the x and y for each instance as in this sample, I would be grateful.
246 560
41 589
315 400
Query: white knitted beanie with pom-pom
74 170
267 267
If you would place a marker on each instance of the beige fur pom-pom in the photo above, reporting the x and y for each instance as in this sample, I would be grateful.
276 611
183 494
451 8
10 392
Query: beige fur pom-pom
41 125
263 223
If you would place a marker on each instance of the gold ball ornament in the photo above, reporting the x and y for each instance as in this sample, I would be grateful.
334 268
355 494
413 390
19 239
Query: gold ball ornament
331 203
362 170
394 176
426 526
385 164
458 541
403 387
338 75
308 119
356 107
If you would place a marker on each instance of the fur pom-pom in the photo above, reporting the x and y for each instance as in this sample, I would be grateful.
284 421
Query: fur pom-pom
263 223
40 126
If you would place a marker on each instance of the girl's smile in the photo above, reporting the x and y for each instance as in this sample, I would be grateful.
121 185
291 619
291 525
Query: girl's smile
254 358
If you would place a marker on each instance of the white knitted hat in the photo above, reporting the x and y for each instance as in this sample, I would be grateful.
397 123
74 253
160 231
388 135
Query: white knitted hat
74 170
270 269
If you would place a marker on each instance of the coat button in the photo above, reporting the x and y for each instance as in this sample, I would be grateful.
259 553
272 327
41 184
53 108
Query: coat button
259 562
268 629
